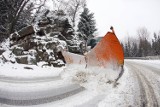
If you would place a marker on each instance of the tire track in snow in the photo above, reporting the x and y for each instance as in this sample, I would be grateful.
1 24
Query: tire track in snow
152 74
28 80
148 97
36 101
143 99
149 69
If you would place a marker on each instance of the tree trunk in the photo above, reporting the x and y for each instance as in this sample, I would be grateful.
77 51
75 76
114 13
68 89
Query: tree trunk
16 16
74 15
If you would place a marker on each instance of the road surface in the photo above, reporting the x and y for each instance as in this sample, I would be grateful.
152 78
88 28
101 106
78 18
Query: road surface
139 87
36 96
147 78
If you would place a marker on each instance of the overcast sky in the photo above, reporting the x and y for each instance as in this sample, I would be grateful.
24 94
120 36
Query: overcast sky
126 16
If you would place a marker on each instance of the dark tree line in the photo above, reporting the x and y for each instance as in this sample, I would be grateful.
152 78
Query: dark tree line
16 14
156 44
12 16
142 47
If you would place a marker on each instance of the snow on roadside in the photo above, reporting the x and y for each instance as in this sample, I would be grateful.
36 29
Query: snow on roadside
31 71
123 95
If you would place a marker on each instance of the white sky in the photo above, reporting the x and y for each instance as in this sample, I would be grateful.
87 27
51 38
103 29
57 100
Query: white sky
126 16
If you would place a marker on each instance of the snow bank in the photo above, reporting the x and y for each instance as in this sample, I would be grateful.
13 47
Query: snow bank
122 96
27 71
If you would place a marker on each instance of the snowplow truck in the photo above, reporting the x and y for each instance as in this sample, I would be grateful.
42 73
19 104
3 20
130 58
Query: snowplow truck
108 52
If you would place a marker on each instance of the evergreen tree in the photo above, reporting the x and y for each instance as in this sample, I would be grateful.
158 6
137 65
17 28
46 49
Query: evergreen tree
87 24
129 47
156 44
126 51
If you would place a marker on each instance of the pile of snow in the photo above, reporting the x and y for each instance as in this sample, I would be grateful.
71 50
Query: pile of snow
123 94
92 78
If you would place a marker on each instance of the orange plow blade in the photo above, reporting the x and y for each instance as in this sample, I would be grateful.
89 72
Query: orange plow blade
107 52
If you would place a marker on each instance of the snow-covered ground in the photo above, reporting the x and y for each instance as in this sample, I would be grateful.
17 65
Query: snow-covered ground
97 92
27 71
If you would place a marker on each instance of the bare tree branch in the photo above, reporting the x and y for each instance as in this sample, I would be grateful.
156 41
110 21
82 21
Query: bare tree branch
16 16
74 7
38 10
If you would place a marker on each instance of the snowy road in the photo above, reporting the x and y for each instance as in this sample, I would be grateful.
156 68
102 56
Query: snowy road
39 97
19 93
148 78
139 87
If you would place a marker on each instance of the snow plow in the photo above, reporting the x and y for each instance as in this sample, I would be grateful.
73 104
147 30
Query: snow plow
107 53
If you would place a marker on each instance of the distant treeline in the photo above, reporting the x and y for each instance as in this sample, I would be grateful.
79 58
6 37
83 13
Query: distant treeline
142 46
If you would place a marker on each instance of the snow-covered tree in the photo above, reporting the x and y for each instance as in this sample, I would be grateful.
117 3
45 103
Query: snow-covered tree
71 7
87 24
74 8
